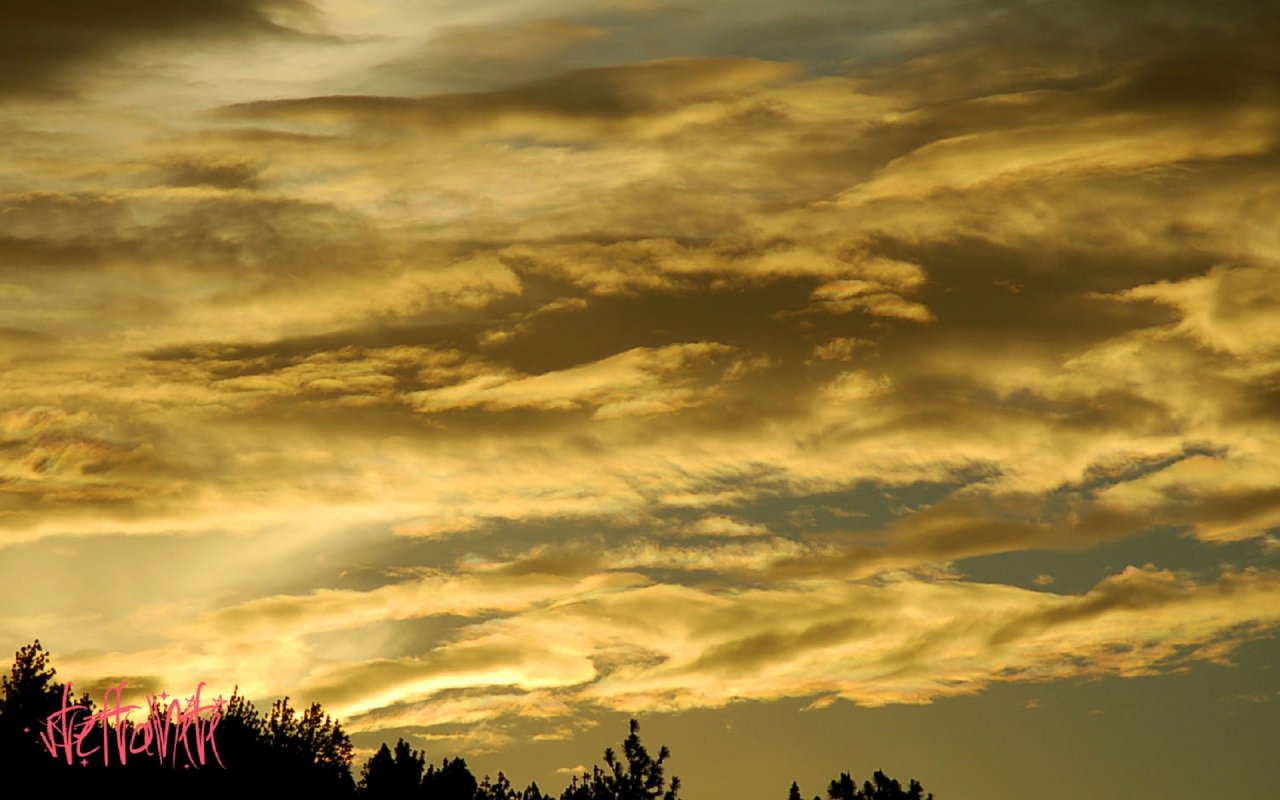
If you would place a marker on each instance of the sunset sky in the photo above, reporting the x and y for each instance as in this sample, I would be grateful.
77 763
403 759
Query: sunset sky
831 386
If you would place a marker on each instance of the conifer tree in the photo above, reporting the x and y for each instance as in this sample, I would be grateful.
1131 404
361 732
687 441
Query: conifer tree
638 777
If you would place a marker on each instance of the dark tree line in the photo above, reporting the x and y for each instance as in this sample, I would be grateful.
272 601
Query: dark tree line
283 750
302 752
880 787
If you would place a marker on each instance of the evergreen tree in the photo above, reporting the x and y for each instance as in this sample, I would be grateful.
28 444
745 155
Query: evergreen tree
496 789
286 752
886 788
309 749
844 788
453 781
881 787
392 776
28 695
532 792
640 777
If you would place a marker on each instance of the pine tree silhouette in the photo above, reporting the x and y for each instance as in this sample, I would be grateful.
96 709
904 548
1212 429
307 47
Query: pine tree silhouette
883 788
30 694
640 777
453 781
284 753
388 775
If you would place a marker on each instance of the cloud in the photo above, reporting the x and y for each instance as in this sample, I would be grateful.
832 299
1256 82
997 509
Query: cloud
640 381
720 525
496 53
876 290
623 645
841 348
1229 309
222 173
356 688
1218 499
43 48
615 380
905 641
426 596
1099 145
529 41
590 97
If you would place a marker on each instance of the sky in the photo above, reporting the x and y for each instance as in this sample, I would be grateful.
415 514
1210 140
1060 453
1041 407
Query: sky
831 386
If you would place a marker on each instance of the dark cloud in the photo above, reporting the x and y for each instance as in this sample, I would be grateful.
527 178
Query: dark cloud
51 48
601 95
754 652
477 57
1236 513
20 336
227 173
138 232
954 529
136 687
1134 590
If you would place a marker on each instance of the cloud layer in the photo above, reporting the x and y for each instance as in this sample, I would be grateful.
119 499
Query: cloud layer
643 366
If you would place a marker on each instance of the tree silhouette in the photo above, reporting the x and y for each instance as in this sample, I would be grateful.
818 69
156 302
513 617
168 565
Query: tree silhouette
239 736
496 789
639 778
500 788
453 781
387 776
286 752
311 749
30 691
30 694
883 788
844 788
532 792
